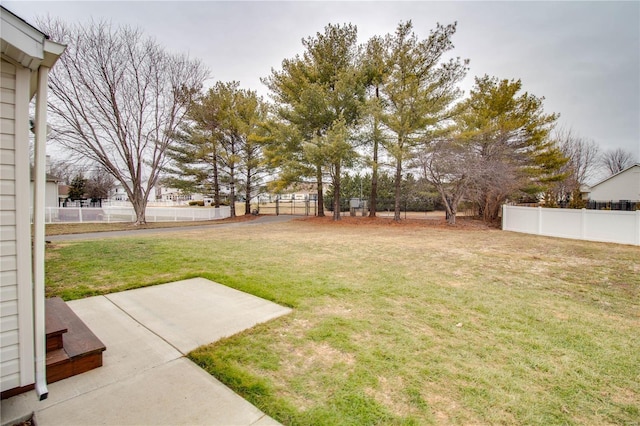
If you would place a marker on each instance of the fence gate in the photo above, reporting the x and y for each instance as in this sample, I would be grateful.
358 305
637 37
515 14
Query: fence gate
290 207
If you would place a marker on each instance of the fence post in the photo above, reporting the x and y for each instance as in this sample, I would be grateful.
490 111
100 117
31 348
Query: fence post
583 224
539 220
504 217
80 213
638 227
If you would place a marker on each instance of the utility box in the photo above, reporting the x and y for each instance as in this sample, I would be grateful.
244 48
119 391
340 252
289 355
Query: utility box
357 204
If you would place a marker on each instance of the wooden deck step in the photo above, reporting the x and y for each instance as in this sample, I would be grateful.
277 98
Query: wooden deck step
54 327
81 350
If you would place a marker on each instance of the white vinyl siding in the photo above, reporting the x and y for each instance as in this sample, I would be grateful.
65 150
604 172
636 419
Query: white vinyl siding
50 194
623 186
9 350
16 312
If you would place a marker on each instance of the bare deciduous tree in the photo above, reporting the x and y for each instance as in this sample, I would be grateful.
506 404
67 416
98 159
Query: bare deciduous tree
99 185
419 91
509 132
117 99
584 160
451 166
616 160
65 170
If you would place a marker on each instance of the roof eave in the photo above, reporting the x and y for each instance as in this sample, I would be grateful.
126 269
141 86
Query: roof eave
25 45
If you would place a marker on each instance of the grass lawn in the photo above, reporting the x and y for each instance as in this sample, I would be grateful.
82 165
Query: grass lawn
84 227
402 323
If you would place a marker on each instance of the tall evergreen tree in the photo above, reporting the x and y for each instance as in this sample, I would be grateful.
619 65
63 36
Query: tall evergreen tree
375 67
77 187
418 91
315 93
222 144
194 165
509 132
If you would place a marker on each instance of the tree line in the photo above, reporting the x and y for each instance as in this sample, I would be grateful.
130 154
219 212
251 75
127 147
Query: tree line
389 108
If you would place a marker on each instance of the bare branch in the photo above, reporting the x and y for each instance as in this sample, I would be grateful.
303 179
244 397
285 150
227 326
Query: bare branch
616 160
117 98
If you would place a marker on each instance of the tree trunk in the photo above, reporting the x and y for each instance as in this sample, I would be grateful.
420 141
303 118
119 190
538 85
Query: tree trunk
247 194
247 205
452 211
398 188
320 194
449 205
336 194
139 206
373 198
232 192
216 181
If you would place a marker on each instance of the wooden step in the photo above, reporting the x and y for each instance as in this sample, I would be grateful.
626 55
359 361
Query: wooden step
81 350
54 327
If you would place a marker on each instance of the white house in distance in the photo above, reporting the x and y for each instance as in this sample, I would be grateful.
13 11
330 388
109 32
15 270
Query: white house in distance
119 194
52 198
623 186
26 57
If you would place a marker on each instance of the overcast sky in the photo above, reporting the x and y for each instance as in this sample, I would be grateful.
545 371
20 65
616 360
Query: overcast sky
582 57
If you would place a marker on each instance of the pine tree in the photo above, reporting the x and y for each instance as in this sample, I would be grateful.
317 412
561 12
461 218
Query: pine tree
222 144
509 133
77 188
320 95
418 91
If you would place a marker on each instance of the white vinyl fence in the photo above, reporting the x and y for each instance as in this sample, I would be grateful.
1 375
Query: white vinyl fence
610 226
127 214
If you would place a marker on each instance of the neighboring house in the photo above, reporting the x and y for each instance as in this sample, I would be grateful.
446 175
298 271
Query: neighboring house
26 57
174 194
623 186
50 192
119 194
63 194
177 195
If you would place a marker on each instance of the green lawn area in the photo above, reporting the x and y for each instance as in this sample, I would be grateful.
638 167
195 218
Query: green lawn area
402 324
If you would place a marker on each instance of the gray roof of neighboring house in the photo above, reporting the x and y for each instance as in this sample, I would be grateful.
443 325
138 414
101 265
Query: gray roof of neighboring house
50 177
612 176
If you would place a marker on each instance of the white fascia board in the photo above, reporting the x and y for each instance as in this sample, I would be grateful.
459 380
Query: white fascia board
20 41
52 52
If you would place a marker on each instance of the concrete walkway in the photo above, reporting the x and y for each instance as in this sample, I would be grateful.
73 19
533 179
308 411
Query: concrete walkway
145 378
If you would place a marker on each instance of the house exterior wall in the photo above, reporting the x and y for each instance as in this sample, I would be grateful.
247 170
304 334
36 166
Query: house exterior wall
623 186
119 194
50 194
16 309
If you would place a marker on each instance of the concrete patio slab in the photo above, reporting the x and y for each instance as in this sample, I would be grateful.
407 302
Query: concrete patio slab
144 378
195 312
175 393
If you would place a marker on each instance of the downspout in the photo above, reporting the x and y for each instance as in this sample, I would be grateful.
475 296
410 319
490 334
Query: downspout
40 181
